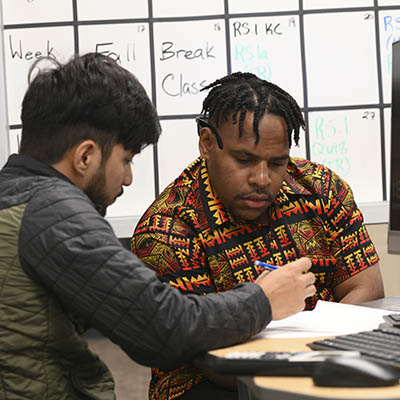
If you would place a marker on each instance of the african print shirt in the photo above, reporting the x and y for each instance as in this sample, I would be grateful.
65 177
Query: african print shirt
197 246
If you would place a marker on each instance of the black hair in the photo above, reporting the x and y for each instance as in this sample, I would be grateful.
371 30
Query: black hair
89 97
241 92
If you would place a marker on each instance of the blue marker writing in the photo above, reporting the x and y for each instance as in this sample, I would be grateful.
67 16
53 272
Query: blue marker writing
265 265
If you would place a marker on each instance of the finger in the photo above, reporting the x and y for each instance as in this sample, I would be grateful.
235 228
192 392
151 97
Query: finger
301 265
309 278
262 275
310 290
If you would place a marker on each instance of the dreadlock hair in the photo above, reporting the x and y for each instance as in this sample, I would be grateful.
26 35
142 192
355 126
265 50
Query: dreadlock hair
241 92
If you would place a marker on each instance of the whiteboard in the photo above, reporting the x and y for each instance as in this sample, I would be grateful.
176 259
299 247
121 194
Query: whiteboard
184 133
188 56
14 140
332 56
388 2
301 149
184 8
335 143
389 23
128 44
21 48
324 4
33 11
117 9
141 193
341 68
252 6
257 45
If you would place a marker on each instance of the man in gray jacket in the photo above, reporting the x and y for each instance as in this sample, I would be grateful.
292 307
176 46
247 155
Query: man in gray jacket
62 269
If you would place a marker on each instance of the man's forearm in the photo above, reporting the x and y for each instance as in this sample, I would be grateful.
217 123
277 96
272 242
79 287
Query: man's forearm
113 291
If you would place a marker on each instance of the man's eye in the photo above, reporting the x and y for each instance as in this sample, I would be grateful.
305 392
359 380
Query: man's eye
242 160
278 164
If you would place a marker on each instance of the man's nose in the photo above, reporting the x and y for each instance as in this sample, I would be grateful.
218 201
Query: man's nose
128 178
260 175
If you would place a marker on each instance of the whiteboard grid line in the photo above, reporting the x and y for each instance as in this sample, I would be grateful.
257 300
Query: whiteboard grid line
304 77
76 31
197 17
303 109
227 38
380 92
156 172
348 107
4 140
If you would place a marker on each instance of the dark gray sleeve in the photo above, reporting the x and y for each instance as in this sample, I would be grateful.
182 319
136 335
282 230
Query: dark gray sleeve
66 246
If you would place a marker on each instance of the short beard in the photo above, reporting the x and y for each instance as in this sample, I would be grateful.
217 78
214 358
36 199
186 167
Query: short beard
95 191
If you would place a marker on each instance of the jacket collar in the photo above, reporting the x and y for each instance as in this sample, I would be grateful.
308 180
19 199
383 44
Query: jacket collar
30 166
23 165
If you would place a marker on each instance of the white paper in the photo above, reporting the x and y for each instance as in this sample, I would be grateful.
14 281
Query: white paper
327 319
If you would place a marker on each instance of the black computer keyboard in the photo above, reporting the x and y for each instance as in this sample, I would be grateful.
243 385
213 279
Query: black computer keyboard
381 344
269 363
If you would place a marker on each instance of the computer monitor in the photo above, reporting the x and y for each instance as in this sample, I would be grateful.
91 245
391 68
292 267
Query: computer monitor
394 207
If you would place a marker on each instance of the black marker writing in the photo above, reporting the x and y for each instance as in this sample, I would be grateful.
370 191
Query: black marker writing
168 52
130 53
20 53
180 87
246 28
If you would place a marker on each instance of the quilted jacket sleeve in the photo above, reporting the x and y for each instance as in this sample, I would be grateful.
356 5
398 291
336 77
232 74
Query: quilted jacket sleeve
66 246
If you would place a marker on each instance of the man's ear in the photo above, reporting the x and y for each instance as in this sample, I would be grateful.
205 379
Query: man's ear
207 142
86 156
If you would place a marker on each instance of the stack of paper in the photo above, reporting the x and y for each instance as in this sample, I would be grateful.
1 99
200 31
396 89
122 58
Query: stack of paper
327 319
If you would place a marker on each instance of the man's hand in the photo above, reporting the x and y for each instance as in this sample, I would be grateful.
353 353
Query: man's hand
288 287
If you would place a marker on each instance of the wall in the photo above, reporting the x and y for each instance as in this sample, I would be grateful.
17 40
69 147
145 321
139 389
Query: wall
390 264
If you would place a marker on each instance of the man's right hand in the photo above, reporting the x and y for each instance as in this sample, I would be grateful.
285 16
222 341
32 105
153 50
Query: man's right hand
287 287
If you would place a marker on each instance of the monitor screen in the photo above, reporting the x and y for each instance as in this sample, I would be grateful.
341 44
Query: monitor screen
394 207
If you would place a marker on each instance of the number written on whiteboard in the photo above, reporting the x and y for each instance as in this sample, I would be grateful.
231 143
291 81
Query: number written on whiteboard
368 115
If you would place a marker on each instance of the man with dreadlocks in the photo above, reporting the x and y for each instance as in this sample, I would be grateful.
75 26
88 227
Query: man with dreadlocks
245 199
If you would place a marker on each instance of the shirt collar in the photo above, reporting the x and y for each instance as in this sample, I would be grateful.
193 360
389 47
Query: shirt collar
291 185
215 211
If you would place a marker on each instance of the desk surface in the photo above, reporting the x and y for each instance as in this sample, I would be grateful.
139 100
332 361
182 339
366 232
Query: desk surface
388 303
299 388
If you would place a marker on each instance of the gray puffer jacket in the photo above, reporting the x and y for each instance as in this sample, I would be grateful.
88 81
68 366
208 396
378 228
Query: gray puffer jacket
62 267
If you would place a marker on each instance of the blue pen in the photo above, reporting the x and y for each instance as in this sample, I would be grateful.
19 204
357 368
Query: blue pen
265 265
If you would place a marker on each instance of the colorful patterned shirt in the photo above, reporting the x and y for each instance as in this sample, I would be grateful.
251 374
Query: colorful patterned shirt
197 246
